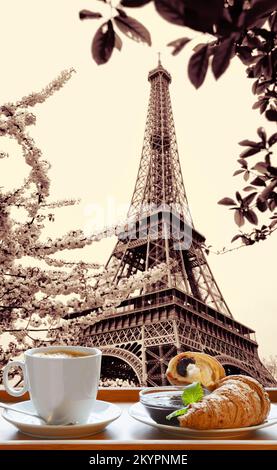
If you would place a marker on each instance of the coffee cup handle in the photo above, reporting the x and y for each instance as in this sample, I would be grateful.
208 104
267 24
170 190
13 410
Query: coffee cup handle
11 390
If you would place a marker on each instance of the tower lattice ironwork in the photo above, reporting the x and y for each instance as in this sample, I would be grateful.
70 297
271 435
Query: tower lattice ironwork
185 310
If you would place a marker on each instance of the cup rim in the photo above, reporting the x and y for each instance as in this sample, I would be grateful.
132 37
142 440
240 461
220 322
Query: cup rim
95 352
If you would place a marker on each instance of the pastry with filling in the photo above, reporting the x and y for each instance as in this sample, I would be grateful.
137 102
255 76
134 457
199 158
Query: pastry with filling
189 367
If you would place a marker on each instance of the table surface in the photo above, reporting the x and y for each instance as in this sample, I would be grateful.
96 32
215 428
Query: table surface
127 433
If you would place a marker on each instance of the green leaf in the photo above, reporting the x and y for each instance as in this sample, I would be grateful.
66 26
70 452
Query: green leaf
178 45
198 15
117 41
103 43
262 134
259 9
249 143
171 10
262 205
248 199
198 66
246 175
133 29
273 171
261 167
236 237
239 219
176 413
245 55
250 151
222 56
87 14
243 163
238 196
227 201
192 393
238 172
273 139
271 115
273 223
258 181
251 217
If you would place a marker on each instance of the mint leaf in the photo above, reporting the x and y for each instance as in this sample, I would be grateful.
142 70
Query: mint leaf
176 413
192 393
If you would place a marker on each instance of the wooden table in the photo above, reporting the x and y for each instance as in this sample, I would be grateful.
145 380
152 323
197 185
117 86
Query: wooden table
126 433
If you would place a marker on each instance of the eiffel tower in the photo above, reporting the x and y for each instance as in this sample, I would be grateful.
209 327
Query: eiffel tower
186 309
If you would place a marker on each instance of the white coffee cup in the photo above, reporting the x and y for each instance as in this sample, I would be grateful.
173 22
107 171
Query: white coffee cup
63 389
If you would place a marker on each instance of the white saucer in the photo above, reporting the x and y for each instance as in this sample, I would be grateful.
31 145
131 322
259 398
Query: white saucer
103 414
138 412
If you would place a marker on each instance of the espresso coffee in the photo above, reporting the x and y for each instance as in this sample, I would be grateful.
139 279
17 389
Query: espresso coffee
61 354
62 382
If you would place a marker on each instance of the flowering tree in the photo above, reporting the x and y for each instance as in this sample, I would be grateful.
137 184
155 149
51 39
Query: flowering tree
271 365
38 289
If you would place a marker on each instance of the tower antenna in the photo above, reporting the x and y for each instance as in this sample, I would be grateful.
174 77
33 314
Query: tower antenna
159 58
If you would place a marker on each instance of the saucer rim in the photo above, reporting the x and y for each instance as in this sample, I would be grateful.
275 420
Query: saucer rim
77 426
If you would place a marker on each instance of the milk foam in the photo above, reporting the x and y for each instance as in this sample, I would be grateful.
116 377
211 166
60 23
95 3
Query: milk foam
55 355
61 354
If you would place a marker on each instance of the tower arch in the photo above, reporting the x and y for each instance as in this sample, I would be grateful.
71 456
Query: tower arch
235 366
122 356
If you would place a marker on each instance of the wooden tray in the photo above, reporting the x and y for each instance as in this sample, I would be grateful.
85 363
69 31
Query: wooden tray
126 433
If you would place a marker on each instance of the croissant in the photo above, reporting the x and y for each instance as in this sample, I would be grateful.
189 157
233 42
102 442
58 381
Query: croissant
237 401
188 367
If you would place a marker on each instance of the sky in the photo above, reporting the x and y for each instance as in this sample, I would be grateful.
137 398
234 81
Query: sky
92 132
